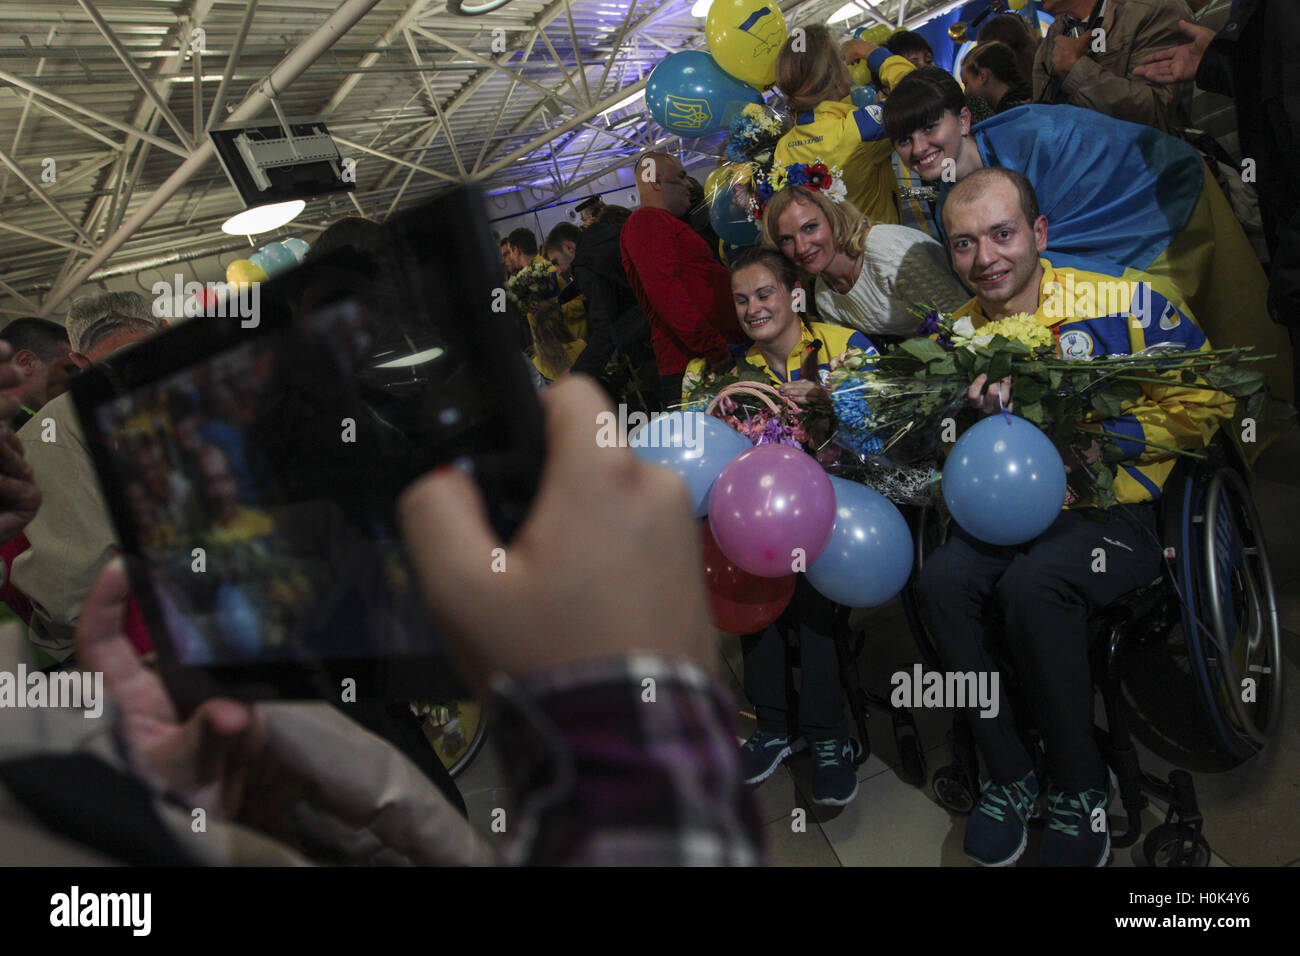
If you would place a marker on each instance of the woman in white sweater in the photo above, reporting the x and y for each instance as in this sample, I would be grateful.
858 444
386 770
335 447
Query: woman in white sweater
869 278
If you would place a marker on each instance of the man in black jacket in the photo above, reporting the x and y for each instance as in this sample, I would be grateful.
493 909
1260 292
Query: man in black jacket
1252 59
615 322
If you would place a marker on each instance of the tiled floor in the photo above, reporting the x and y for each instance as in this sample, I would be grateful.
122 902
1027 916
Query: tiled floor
1249 811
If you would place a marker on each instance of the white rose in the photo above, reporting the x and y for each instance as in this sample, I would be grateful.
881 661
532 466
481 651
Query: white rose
964 327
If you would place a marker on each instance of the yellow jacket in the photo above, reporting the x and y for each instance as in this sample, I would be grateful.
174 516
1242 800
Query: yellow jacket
1092 314
852 138
832 342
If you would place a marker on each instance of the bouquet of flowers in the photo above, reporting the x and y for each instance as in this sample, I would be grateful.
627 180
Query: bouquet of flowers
747 401
896 405
530 287
754 135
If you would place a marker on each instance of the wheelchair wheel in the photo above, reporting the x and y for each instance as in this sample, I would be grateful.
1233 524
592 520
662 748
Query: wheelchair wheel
952 790
456 733
1230 616
1173 845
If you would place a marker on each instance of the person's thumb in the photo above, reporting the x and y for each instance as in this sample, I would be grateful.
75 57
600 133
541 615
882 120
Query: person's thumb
452 550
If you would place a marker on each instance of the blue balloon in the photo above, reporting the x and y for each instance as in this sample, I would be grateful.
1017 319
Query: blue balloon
730 221
690 95
869 558
297 246
695 445
279 257
864 95
1004 481
260 260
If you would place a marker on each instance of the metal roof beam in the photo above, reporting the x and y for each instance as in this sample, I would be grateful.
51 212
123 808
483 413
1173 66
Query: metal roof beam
93 114
289 69
159 103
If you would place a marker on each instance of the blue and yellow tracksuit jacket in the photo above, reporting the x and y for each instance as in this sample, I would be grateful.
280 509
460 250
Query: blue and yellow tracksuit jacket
852 138
829 341
1099 315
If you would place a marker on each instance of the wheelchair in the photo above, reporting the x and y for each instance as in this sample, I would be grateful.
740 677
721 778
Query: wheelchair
1217 587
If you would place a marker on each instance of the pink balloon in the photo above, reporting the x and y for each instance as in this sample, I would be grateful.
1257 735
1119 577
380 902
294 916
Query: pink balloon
767 502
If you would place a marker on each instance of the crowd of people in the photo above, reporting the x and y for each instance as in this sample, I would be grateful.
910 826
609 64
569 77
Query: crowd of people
1054 164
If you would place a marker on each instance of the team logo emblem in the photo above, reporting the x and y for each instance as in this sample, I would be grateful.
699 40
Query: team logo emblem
1076 345
686 115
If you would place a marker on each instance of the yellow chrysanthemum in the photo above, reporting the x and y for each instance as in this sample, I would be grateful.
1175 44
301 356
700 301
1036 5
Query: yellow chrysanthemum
1020 328
777 178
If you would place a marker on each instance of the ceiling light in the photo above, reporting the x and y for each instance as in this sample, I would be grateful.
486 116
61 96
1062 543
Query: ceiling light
415 358
626 101
701 8
261 219
846 12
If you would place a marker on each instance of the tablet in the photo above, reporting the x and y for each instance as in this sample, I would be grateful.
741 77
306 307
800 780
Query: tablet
251 461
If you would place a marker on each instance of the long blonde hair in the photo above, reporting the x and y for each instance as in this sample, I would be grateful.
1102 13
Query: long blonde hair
551 337
849 227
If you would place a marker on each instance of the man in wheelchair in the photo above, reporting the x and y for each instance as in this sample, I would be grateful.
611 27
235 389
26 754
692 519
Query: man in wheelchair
1047 588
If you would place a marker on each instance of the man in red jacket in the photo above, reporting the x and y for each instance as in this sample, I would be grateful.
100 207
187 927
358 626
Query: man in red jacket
684 293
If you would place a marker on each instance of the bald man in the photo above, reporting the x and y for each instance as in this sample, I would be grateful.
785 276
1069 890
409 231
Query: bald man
684 292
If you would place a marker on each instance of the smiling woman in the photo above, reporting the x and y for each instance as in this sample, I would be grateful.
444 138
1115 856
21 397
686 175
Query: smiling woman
872 277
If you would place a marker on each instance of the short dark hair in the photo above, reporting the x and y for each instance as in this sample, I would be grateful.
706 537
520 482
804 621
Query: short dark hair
780 266
523 240
364 236
561 232
972 186
48 340
904 42
615 214
919 99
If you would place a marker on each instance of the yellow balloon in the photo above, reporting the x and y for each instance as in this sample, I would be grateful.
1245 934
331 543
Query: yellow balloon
718 180
878 34
1016 4
242 272
745 37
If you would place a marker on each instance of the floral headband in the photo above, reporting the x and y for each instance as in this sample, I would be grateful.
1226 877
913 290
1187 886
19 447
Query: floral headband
817 176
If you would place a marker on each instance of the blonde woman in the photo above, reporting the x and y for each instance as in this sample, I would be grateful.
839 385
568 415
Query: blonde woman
867 277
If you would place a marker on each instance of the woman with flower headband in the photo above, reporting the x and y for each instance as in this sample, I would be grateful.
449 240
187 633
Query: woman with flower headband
870 277
1114 192
812 73
797 357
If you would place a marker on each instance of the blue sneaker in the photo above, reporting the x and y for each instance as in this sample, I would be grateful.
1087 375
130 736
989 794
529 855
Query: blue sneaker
834 778
1077 834
761 754
997 831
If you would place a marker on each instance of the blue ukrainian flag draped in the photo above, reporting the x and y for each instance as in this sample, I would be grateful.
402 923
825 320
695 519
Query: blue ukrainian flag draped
1134 196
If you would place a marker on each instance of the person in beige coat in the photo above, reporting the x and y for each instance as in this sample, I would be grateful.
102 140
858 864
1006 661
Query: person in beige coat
1091 50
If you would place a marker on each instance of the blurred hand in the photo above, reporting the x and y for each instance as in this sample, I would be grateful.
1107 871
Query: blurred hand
854 50
206 759
1067 51
989 401
19 496
10 377
1179 63
607 564
806 392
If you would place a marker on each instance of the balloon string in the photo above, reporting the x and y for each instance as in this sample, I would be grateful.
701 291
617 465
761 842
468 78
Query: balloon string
1002 402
